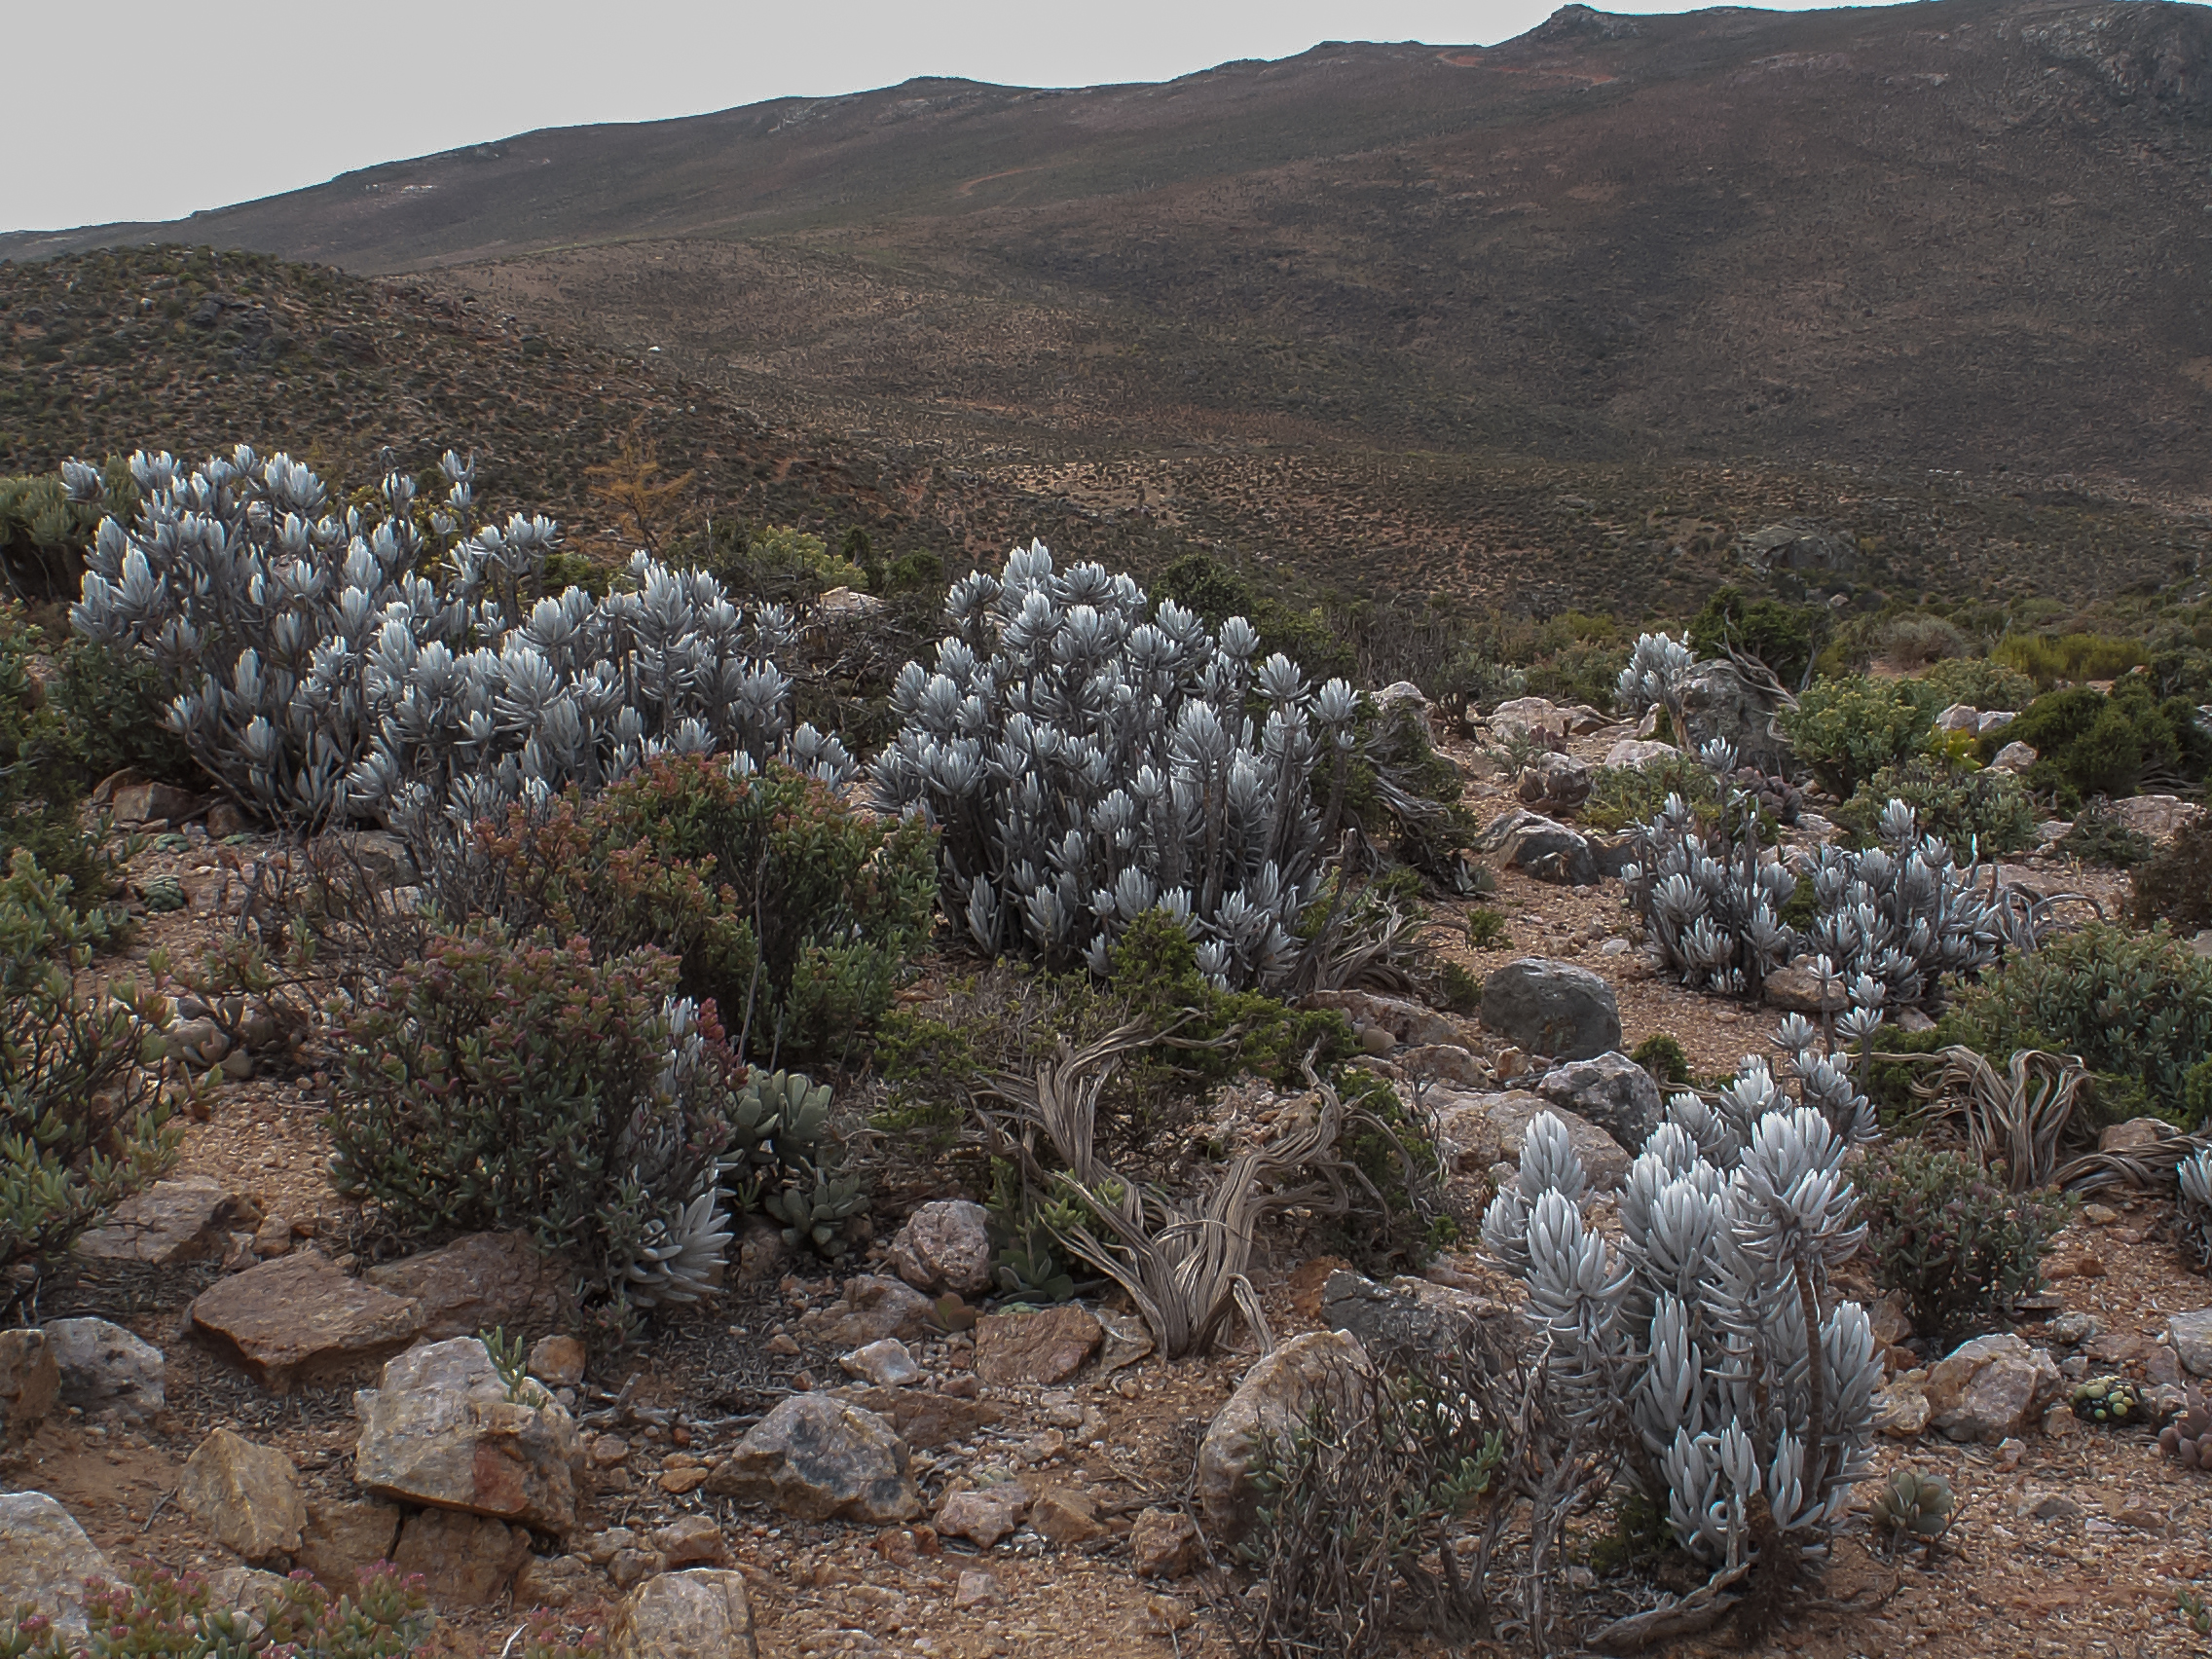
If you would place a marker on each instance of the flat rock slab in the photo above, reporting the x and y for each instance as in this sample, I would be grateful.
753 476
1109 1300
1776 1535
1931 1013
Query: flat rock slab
440 1429
1047 1347
926 1421
185 1220
482 1282
301 1318
45 1559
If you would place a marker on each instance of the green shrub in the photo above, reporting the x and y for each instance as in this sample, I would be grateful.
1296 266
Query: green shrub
504 1083
1977 681
2175 884
2049 658
2087 743
1784 637
1462 990
1976 807
44 773
1662 1056
1913 641
2099 835
795 913
1485 930
82 1123
1622 795
2135 1007
1846 730
1953 1241
44 534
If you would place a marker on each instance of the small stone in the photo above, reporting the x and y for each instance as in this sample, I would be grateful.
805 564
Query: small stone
2191 1337
1797 990
2010 1452
886 1363
983 1515
976 1590
558 1581
926 1419
247 1495
302 1317
2074 1265
272 1237
1901 1410
944 1246
30 1382
467 1561
871 1309
820 1459
607 1450
1163 1615
2100 1215
1509 1063
2136 1134
702 1614
1890 1325
2057 1507
1128 1340
2015 756
188 1219
677 1482
45 1560
343 1537
1067 1516
1991 1388
633 1567
225 819
2073 1329
693 1540
1164 1543
782 1346
558 1362
1043 1348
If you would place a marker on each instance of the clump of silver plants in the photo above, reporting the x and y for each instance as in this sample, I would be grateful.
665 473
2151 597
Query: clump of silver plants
1088 757
1901 914
332 665
1700 1337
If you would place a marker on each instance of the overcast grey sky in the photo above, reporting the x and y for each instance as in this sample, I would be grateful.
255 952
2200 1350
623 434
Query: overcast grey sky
128 109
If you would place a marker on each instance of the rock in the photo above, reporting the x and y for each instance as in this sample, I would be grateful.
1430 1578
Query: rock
1542 847
2200 944
1129 1339
247 1495
1990 1388
342 1538
558 1581
1275 1398
45 1559
185 1220
820 1459
1994 720
104 1368
226 819
1552 1007
1718 702
1164 1543
871 1309
2136 1134
1887 1319
1409 1315
945 1246
30 1382
1797 990
887 1364
2160 817
698 1614
1530 713
2014 758
1067 1516
1901 1410
245 1589
482 1281
926 1419
1797 544
1047 1347
1638 754
440 1429
976 1590
693 1540
983 1515
1409 1024
301 1318
375 859
467 1561
635 1567
1960 717
2072 1330
1556 783
1610 1090
2191 1337
1447 1063
558 1362
1401 693
141 802
1478 1130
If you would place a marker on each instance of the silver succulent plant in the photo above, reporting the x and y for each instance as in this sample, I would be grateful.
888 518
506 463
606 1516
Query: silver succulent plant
1901 914
1088 761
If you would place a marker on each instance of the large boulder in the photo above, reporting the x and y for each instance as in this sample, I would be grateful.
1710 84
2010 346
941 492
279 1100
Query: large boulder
945 1246
1541 847
104 1368
1717 701
247 1495
185 1220
1610 1090
45 1559
440 1429
699 1614
1406 1316
30 1380
820 1459
301 1318
1477 1130
1552 1007
1991 1388
483 1281
1047 1347
1276 1398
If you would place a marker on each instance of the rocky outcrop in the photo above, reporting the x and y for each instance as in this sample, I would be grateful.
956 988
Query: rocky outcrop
945 1246
1552 1007
302 1317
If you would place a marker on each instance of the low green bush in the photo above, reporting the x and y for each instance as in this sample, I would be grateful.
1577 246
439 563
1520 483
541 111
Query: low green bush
1953 1241
524 1084
795 913
2099 835
2088 743
1846 730
1622 795
82 1122
1915 641
1661 1055
1979 810
1977 681
2136 1007
1781 636
2049 658
2174 885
